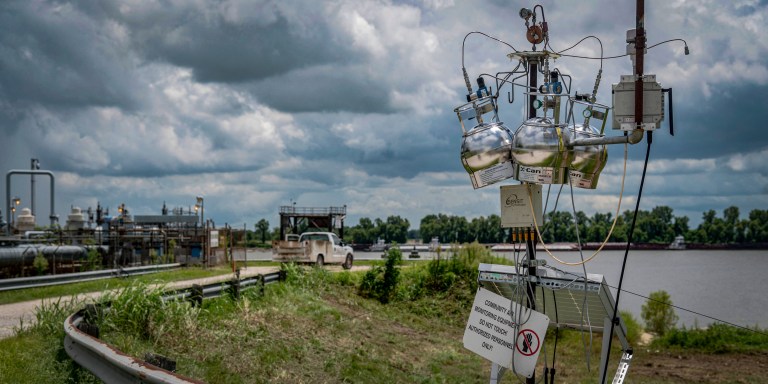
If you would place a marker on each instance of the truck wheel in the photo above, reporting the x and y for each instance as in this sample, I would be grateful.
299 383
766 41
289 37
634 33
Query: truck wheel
347 263
319 262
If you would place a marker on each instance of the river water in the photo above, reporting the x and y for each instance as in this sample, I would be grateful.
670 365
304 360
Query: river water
727 285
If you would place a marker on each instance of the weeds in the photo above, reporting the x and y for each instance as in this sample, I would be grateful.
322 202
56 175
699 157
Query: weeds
141 311
718 338
381 283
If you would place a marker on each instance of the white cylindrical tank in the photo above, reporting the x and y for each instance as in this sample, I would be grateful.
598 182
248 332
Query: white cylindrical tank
75 219
25 221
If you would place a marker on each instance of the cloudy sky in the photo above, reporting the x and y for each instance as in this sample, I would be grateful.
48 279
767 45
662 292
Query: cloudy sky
256 104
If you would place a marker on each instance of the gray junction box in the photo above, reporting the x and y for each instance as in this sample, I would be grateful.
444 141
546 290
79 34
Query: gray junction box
624 103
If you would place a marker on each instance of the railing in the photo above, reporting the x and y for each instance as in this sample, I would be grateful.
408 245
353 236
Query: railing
66 278
313 211
82 344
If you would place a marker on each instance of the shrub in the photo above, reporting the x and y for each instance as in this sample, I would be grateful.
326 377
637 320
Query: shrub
460 268
381 283
93 260
634 329
658 314
40 263
718 338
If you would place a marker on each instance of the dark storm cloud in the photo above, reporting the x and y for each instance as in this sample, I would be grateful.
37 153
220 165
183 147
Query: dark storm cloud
256 40
327 89
726 124
52 54
749 9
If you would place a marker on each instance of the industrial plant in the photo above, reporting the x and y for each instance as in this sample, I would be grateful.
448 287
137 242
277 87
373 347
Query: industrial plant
97 239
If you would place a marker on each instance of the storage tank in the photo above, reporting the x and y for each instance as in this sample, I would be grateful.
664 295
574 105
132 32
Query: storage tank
25 221
75 220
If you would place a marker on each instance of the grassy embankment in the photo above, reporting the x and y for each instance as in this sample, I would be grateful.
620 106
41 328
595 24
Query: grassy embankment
186 273
55 291
316 328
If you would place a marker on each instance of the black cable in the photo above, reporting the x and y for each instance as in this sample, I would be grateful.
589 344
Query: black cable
557 335
484 34
694 312
626 255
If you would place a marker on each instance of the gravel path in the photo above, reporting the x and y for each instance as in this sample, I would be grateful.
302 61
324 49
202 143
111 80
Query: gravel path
12 315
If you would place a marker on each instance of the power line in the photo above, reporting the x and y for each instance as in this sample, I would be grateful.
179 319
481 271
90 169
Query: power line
694 312
672 305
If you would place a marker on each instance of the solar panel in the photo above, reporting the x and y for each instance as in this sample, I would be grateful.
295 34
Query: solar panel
560 296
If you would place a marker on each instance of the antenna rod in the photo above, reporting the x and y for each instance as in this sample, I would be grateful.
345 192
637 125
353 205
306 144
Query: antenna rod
639 54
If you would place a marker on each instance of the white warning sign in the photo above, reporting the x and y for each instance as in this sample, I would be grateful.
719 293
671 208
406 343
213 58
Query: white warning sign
492 332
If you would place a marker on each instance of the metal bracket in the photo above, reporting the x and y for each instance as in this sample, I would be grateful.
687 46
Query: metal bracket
621 372
497 372
534 263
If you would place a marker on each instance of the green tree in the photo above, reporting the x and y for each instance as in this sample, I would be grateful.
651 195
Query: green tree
559 227
658 314
600 224
757 226
262 226
397 229
429 227
680 226
364 232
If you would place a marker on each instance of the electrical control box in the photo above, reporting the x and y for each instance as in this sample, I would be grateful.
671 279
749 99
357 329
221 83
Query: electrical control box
519 204
624 103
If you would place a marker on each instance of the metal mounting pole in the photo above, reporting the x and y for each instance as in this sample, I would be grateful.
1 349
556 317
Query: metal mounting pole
639 51
530 244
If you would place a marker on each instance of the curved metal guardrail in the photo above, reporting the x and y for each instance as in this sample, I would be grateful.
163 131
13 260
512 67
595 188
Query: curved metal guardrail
82 343
66 278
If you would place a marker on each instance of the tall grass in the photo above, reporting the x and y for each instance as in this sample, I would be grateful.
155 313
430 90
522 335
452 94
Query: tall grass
35 354
140 310
717 338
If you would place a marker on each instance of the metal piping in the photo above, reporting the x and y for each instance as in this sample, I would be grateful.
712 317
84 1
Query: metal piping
633 138
8 192
24 255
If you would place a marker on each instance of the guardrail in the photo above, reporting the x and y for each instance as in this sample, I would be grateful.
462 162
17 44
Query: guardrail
82 343
66 278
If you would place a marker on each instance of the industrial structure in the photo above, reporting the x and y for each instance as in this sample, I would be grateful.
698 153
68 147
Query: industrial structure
293 219
95 239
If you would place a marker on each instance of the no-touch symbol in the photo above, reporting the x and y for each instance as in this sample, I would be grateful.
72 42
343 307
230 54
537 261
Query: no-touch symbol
527 342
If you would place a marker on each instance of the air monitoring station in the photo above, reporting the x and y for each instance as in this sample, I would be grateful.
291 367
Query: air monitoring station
562 142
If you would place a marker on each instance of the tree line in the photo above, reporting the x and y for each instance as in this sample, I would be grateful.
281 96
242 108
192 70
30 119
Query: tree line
659 225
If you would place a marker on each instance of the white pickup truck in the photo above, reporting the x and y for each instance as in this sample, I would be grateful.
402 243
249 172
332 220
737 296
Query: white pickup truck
318 248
